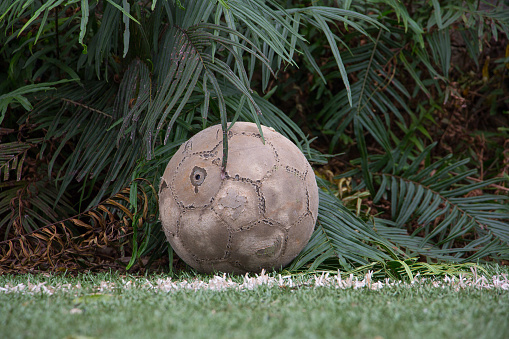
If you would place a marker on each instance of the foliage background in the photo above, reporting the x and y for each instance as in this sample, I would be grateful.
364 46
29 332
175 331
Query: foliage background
402 108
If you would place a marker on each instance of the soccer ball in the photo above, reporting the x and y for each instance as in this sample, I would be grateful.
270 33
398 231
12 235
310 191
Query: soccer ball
258 215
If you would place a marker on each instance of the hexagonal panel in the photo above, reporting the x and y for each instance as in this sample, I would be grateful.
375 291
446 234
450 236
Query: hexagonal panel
285 197
290 155
204 234
196 181
312 188
298 235
242 149
182 251
181 153
205 140
169 212
242 127
237 203
258 247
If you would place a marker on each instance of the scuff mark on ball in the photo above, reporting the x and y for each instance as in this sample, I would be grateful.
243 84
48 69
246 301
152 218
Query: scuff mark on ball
271 250
233 203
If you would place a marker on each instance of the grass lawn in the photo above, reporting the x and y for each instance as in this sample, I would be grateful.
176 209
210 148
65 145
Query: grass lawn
122 309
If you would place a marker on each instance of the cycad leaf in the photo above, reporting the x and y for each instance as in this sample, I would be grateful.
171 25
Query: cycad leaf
431 202
335 51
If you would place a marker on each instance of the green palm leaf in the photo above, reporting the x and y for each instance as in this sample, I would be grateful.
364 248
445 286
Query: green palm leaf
431 209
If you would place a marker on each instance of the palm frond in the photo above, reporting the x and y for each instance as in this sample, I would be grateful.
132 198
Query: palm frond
12 158
83 117
25 205
379 94
321 17
74 242
104 43
410 269
433 211
18 96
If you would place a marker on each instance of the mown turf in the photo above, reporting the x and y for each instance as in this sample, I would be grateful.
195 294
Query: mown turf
265 312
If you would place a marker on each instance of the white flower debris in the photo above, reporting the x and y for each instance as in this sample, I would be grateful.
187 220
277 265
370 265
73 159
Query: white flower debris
75 311
224 282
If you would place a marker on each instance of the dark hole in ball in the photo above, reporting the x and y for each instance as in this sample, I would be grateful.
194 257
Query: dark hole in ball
198 175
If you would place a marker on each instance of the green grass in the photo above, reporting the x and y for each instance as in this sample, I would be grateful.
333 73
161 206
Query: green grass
420 311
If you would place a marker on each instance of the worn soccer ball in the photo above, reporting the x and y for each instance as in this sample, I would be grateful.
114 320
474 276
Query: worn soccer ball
258 215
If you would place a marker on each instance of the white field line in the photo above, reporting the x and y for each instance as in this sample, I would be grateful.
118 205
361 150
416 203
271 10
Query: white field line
224 282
